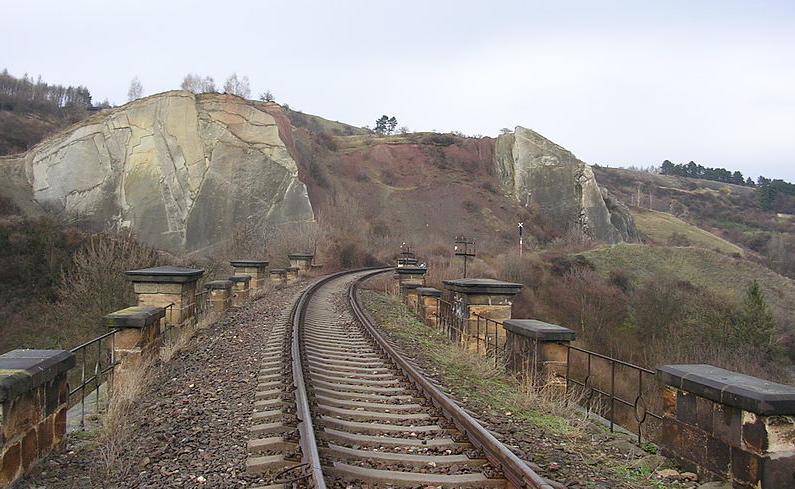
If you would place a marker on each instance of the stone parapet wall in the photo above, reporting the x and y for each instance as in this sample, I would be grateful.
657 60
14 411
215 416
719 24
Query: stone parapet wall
34 398
725 425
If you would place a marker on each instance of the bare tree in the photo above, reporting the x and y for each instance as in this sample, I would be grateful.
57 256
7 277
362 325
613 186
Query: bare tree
136 89
191 82
267 96
196 84
235 86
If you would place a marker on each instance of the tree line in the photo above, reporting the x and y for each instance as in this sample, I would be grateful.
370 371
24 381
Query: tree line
26 94
772 194
694 170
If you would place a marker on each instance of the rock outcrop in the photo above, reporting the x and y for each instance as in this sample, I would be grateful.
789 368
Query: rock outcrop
534 170
180 170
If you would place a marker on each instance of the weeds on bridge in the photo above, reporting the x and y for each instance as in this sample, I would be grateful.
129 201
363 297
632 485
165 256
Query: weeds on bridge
116 423
474 378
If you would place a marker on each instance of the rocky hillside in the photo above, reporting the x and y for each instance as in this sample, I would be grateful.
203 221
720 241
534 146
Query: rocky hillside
183 171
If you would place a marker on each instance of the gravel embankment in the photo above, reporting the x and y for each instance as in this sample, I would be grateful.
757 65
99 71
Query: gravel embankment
190 429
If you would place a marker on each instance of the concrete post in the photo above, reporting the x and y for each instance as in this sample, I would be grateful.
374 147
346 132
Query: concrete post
256 268
302 261
34 398
240 290
161 286
219 295
487 298
538 351
428 298
725 425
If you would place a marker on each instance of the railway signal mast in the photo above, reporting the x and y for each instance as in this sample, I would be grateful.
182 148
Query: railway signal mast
521 236
464 247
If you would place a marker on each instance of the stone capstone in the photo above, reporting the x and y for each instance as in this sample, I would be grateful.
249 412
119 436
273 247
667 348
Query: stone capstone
180 170
535 171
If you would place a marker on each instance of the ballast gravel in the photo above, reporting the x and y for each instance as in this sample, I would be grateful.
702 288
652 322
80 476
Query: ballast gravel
191 427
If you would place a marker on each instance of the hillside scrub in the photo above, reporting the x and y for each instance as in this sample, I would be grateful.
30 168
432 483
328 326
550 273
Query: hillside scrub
734 213
57 282
653 320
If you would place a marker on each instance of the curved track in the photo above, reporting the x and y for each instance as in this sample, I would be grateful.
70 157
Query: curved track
363 413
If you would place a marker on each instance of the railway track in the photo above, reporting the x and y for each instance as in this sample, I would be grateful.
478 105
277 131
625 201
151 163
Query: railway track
338 407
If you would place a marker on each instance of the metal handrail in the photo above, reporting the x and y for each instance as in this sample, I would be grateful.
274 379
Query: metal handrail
639 405
453 326
94 376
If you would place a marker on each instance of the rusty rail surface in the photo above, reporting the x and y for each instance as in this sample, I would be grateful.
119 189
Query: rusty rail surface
515 470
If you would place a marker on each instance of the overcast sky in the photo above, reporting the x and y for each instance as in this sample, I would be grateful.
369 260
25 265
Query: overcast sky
616 82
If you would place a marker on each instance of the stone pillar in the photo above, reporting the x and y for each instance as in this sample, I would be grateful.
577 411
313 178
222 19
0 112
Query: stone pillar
292 273
257 269
725 425
302 261
240 290
428 298
219 295
161 286
538 350
487 298
139 332
408 293
34 398
279 275
410 274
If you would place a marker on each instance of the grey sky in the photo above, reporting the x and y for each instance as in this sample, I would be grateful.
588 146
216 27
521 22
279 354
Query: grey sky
616 82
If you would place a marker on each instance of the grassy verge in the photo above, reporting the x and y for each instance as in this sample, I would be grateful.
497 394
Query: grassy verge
549 432
476 380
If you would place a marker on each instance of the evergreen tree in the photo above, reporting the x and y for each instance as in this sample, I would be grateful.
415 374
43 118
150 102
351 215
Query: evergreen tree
754 324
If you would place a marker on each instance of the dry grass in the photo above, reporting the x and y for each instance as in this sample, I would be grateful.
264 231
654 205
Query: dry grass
473 379
117 423
660 228
704 268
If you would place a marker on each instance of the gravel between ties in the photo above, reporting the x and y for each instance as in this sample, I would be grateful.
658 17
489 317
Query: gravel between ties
191 427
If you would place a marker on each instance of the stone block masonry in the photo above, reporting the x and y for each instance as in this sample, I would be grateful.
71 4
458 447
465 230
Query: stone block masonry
408 293
278 275
162 286
410 274
537 350
257 269
34 397
722 424
428 298
219 295
241 289
302 261
293 273
486 298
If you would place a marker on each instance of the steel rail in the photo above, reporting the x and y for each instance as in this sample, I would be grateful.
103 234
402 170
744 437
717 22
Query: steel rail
310 456
515 470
